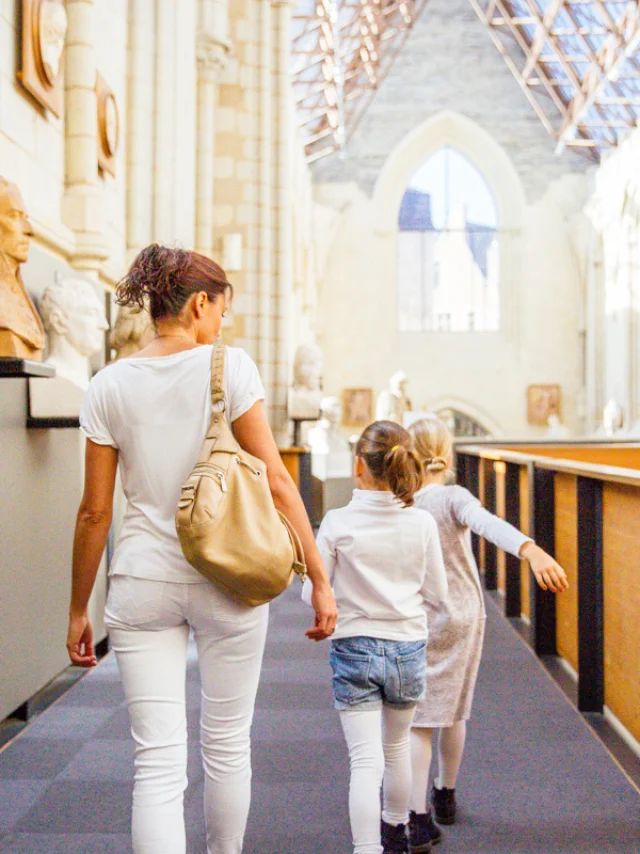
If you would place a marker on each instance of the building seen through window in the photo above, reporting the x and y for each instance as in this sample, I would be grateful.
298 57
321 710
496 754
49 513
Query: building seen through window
448 249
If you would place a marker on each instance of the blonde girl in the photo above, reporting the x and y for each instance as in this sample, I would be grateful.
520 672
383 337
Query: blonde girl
384 559
456 628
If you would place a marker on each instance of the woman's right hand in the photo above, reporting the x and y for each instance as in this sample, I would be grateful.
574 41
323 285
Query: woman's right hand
80 641
324 604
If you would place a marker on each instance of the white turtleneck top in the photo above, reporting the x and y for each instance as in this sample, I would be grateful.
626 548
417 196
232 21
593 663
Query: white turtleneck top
385 563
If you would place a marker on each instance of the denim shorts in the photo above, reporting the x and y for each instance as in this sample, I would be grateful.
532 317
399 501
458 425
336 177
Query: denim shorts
368 672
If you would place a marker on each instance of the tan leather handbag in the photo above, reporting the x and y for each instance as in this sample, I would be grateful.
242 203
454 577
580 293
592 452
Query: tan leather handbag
227 523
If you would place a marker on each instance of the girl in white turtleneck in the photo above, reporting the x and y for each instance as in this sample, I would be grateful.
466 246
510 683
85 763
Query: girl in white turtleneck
383 556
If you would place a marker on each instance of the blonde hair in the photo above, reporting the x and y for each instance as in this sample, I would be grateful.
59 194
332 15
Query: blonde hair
386 449
432 442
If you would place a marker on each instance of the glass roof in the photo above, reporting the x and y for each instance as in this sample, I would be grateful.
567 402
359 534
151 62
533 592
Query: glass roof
577 61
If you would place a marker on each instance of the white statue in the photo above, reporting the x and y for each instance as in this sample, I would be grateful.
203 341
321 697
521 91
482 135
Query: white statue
393 403
556 429
305 396
75 322
613 418
331 454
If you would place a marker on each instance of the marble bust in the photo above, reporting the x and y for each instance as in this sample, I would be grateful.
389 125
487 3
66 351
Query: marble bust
393 402
52 28
305 395
21 330
131 331
331 454
75 322
325 437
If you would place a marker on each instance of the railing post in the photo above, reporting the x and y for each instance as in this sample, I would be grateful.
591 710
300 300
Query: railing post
590 597
513 603
543 603
461 469
472 483
490 551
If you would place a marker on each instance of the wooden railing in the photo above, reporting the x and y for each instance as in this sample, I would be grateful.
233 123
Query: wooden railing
580 503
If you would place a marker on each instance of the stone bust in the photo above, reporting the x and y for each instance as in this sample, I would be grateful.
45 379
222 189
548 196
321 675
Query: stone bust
132 331
325 437
75 322
305 395
21 331
52 29
393 403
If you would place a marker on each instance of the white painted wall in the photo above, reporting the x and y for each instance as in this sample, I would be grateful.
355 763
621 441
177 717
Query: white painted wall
486 373
614 294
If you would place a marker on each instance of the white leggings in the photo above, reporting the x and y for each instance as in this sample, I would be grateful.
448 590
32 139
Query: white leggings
378 742
450 749
149 625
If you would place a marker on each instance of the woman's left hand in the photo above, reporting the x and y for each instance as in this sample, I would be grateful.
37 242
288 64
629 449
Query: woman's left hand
324 604
548 573
80 641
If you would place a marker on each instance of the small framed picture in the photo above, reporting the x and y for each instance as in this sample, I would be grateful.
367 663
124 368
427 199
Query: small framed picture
357 407
542 401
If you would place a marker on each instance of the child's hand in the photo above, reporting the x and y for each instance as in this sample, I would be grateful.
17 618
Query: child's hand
548 573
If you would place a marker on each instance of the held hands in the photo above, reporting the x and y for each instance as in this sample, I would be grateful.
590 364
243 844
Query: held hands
324 604
548 573
80 641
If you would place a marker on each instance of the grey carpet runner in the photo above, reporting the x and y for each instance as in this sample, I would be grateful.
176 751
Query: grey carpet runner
535 780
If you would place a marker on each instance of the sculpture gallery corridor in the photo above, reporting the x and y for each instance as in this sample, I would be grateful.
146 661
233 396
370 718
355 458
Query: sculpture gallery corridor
341 290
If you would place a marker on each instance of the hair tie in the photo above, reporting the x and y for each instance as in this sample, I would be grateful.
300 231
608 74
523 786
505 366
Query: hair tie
395 448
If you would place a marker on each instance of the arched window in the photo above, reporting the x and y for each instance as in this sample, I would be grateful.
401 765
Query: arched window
448 249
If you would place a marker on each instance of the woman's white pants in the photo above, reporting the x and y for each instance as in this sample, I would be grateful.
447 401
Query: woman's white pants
149 624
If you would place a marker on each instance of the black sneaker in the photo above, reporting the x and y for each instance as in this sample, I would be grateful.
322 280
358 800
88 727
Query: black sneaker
444 805
394 838
423 833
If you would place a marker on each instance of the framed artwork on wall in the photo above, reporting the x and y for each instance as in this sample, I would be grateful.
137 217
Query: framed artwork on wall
357 407
108 126
44 28
543 401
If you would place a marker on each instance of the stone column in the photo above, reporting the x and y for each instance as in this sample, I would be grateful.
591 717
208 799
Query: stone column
82 202
284 211
212 52
140 108
265 309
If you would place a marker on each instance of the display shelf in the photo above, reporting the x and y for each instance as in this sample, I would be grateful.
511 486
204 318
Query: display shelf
51 423
11 368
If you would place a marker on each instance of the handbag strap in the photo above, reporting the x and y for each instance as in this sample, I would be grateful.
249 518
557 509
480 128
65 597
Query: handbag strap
219 434
217 376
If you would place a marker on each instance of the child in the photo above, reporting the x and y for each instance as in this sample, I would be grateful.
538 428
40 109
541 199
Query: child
456 629
385 561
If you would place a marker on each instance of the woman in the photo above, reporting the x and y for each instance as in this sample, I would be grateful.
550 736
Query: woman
149 414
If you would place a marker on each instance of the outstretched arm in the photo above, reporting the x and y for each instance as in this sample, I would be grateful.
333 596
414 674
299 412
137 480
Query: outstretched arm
547 572
254 435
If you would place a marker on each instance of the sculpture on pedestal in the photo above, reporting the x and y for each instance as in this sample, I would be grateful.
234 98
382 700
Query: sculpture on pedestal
305 395
393 403
75 321
21 330
325 437
132 331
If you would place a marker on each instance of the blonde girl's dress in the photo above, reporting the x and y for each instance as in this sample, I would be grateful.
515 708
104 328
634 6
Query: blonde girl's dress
456 626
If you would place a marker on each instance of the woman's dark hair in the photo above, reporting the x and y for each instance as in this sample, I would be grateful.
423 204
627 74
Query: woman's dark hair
386 449
165 278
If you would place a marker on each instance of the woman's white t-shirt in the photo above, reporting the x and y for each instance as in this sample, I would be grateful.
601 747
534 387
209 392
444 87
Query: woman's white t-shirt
156 412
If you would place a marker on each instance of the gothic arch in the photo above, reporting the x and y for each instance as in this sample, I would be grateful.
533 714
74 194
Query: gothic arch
471 140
